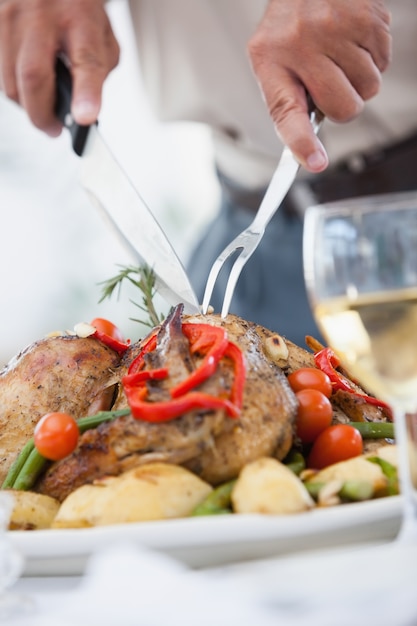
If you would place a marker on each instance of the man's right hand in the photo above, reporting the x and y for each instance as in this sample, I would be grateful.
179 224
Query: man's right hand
32 33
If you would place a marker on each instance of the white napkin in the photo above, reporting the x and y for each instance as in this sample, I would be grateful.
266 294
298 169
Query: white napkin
368 585
129 586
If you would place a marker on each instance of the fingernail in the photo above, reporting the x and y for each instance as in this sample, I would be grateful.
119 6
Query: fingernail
84 111
54 131
317 160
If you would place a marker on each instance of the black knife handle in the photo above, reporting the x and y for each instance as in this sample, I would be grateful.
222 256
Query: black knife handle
78 132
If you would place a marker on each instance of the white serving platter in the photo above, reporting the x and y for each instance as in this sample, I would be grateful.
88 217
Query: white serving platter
214 541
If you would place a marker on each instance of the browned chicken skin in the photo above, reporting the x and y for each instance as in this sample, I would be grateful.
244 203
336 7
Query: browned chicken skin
80 376
265 427
211 443
65 373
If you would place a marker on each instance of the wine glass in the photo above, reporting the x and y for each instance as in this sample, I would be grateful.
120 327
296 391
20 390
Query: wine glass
360 265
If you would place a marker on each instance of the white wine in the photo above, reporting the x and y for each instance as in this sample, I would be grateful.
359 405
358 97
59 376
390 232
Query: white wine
375 336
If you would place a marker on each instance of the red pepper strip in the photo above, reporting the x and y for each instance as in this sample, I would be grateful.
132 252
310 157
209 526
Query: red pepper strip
137 363
327 361
235 353
130 380
165 411
202 336
114 344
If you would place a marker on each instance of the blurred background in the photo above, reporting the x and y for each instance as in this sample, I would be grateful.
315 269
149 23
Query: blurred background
55 248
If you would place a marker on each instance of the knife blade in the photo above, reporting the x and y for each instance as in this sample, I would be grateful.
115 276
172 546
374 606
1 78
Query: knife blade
112 192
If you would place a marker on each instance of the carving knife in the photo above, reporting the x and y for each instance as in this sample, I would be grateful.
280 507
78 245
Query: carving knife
120 203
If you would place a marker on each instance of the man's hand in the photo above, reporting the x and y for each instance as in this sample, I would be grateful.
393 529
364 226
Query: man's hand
333 49
32 33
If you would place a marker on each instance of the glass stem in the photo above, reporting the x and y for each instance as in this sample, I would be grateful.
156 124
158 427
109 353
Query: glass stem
405 448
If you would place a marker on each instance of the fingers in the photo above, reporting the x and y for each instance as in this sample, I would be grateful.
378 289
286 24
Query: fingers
90 69
8 53
35 79
32 33
332 49
340 90
289 110
371 22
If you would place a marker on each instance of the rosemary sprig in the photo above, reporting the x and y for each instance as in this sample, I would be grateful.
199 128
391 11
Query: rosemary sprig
142 277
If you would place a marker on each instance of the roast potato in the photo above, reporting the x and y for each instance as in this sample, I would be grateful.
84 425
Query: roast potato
31 511
388 453
154 491
356 470
268 486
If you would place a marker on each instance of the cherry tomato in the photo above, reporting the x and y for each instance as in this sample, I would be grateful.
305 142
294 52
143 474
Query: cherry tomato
310 378
108 328
56 435
314 414
336 443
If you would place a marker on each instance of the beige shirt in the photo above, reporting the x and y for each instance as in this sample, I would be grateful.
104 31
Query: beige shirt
195 67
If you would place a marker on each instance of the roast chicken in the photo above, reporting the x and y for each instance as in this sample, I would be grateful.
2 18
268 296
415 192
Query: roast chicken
212 444
82 376
64 373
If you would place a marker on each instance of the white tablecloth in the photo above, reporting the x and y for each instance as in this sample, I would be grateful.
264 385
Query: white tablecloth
126 585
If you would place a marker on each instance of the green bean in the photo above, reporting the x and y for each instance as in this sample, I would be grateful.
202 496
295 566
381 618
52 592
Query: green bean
92 421
30 471
218 502
16 467
295 462
374 430
351 490
356 490
314 488
390 471
214 511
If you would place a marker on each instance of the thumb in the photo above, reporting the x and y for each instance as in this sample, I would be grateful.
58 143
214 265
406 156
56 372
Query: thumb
296 131
290 107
